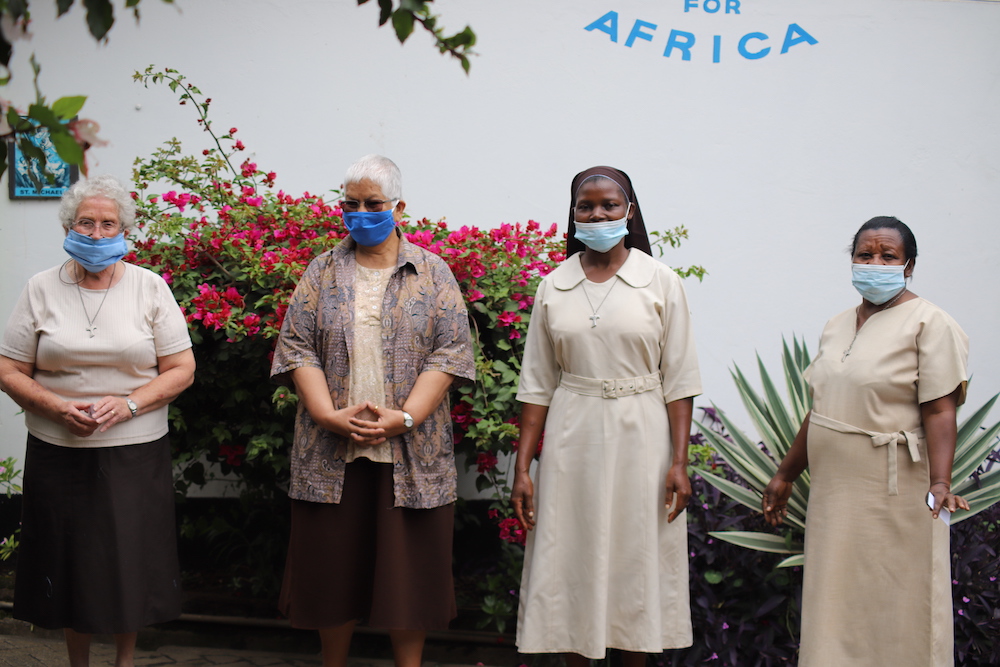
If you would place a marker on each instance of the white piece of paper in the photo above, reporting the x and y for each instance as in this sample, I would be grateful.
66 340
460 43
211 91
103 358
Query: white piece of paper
944 514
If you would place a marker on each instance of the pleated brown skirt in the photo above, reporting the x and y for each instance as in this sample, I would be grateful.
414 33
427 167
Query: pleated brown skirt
98 550
363 559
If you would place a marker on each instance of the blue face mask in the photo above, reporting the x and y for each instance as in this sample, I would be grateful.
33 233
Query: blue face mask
602 236
95 255
878 283
369 228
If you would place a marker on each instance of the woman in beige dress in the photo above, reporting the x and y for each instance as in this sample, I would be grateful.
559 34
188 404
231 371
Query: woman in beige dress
879 443
94 351
610 372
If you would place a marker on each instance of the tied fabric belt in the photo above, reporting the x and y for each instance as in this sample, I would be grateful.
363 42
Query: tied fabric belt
887 440
610 388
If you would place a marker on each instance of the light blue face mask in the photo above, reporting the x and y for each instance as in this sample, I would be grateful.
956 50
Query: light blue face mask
95 255
878 283
369 228
602 236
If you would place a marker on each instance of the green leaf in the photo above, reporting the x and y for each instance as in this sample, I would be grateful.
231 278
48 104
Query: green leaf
971 425
784 427
402 21
44 115
385 11
980 499
713 577
63 6
100 17
775 544
798 560
67 107
67 147
970 455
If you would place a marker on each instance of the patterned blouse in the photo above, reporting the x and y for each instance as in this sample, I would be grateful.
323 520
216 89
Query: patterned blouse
425 327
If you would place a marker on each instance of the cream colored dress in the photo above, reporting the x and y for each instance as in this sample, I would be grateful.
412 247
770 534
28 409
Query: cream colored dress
877 577
603 568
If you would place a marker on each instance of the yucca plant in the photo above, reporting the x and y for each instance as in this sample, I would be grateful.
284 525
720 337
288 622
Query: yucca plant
777 423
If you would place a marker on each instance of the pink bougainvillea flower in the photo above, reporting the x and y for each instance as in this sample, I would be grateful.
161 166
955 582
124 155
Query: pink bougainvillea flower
485 462
508 318
511 531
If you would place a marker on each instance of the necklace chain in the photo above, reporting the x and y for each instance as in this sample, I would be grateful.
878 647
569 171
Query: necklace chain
594 317
91 328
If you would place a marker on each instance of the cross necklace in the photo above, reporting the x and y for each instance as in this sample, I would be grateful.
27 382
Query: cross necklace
92 328
594 317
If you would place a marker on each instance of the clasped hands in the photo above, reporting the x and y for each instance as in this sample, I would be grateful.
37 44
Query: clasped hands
366 424
82 419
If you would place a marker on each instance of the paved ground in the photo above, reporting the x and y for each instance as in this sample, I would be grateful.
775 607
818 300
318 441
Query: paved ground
16 651
22 646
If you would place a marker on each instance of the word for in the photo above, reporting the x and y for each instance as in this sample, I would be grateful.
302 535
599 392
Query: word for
713 6
751 46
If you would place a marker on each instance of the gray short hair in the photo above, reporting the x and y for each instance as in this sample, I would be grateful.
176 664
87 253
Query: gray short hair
382 171
106 186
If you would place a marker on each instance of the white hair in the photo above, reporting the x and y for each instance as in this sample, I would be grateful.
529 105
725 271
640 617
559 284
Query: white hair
106 186
380 170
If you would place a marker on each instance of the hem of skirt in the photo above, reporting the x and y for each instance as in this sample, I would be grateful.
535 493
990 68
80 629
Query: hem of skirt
651 651
94 630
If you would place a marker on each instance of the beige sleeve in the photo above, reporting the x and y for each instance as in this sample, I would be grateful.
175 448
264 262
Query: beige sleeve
678 357
170 331
942 358
539 368
20 337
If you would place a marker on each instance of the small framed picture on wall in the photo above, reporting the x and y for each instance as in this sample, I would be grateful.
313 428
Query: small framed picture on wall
20 170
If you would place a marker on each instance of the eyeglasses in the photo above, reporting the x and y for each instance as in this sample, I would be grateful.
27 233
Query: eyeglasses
373 205
87 226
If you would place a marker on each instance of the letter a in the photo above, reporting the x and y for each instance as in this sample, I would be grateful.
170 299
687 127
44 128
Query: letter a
607 23
796 35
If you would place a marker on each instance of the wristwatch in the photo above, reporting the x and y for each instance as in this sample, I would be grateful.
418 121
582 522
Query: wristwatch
407 419
132 406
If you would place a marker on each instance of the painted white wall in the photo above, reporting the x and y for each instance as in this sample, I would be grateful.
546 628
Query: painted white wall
772 163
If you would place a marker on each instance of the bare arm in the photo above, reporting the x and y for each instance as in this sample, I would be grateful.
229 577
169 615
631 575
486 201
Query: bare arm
776 495
679 413
426 395
941 429
310 385
175 373
17 381
522 495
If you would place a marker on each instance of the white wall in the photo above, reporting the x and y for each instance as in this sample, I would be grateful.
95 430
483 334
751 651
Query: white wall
772 163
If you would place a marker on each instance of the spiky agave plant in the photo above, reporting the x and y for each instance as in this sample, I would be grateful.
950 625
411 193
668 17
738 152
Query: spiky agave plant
777 423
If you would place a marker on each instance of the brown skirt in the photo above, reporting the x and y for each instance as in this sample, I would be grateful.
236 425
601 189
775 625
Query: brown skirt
363 559
98 550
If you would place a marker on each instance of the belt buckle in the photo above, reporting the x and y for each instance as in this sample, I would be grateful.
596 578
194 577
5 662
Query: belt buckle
609 389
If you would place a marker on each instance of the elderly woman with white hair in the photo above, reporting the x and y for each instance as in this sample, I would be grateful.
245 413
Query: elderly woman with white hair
376 333
94 351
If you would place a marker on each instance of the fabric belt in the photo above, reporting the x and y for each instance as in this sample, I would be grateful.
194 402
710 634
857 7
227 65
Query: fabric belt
887 440
610 388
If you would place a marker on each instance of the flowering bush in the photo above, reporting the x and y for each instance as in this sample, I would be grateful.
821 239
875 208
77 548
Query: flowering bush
232 247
